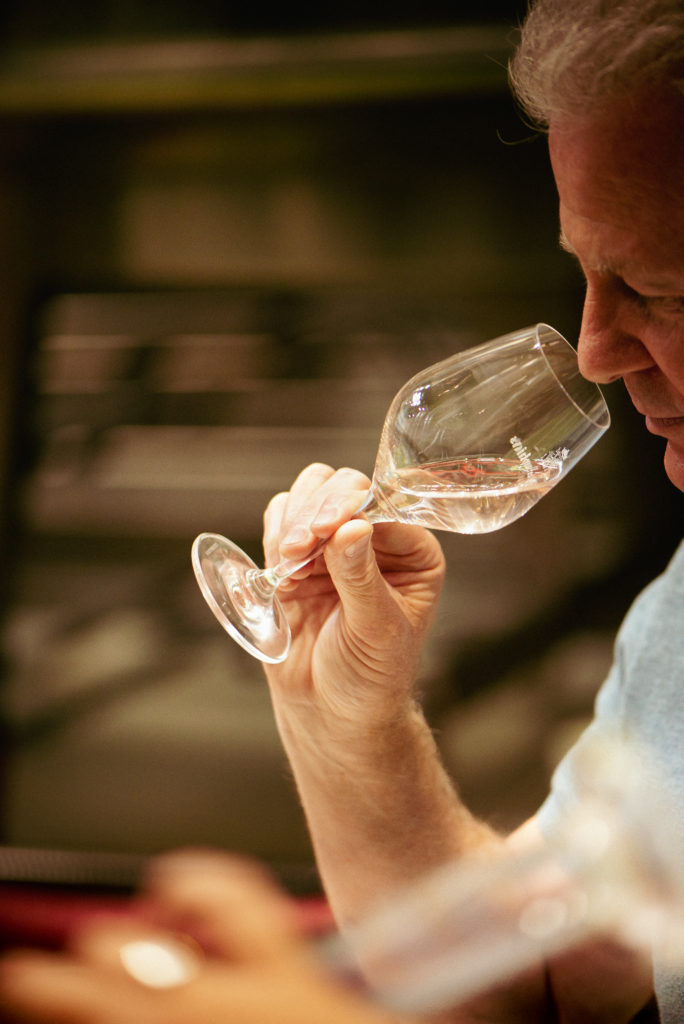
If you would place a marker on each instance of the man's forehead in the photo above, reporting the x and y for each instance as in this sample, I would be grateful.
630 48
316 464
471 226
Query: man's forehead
620 178
636 146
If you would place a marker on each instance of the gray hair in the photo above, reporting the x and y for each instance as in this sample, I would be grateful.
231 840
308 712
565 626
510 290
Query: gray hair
574 54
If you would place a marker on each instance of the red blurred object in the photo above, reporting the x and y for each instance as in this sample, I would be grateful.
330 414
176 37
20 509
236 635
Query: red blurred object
44 917
45 895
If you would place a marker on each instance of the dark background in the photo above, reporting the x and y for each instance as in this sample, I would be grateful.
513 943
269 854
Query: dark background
226 238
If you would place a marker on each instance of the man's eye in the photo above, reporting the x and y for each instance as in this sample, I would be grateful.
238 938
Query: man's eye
663 303
656 303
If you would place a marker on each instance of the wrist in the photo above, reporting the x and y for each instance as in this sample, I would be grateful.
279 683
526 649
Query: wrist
327 741
345 708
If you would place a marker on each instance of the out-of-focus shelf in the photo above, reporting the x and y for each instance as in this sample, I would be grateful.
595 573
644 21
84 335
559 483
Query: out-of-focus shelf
164 414
172 480
170 76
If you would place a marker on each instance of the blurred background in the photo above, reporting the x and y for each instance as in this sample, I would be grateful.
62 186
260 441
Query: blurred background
226 237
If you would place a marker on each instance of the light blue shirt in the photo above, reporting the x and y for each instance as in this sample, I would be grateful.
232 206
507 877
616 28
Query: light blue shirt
642 700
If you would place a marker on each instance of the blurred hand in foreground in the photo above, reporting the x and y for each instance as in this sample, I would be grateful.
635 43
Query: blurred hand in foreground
256 965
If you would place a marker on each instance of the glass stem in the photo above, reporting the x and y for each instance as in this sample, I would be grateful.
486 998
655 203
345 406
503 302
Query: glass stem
270 579
264 582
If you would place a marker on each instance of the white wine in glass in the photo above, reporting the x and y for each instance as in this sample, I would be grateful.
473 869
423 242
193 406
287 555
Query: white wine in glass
468 445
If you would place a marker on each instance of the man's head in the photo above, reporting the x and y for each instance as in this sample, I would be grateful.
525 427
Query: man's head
575 54
606 77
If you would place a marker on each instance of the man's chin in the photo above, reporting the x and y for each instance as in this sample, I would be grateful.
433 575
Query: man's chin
674 465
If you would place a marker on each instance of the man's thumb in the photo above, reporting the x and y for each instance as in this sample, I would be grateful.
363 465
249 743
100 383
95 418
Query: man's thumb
354 571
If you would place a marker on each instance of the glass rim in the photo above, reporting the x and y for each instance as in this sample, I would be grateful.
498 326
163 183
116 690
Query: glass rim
601 421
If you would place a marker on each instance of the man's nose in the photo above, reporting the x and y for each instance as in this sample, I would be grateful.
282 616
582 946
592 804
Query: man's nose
609 344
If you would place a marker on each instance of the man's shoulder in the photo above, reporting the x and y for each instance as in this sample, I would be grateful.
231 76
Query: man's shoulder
662 597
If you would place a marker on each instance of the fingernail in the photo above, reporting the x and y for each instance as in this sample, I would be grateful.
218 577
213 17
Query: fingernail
327 513
297 535
356 549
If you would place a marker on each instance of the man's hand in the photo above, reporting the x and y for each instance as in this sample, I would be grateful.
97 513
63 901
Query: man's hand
257 967
360 612
380 807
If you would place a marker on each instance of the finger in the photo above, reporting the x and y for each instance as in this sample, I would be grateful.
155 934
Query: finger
273 531
285 507
51 989
273 526
155 957
230 905
362 563
320 500
408 548
344 495
352 564
303 500
41 987
319 512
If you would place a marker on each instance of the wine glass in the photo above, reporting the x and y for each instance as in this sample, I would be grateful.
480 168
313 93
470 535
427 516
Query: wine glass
468 445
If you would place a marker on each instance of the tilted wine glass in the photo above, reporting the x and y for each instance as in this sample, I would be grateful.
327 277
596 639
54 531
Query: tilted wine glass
468 445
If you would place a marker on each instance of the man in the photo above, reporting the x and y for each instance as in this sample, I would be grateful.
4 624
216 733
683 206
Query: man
605 76
607 79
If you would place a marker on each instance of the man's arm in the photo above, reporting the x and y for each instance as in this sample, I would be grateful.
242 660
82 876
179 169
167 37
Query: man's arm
380 806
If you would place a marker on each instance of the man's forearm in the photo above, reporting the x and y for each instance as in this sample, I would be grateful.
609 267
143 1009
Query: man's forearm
380 805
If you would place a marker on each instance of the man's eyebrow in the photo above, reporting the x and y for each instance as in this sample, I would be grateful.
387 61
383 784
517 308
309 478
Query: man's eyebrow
601 268
650 280
565 244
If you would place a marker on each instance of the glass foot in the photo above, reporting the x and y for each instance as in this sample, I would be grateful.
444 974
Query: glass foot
224 573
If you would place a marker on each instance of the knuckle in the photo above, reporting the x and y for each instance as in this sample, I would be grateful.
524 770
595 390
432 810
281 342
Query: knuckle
352 476
315 470
275 503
